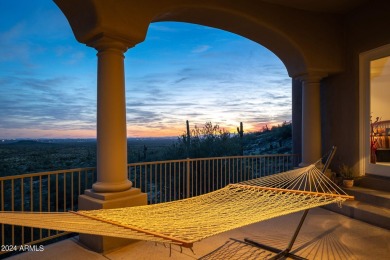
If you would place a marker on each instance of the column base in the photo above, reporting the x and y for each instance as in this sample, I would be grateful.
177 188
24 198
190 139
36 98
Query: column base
92 200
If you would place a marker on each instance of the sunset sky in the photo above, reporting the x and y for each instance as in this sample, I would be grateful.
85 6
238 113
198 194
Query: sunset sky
180 72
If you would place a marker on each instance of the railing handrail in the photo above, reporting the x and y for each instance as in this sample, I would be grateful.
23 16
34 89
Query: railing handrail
27 175
211 158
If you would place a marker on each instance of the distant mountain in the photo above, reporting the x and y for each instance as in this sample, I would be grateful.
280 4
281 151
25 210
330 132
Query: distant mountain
25 142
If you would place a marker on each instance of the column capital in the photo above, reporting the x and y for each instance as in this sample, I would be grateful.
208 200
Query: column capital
103 42
312 77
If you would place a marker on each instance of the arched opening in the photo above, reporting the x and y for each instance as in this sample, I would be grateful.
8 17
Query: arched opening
191 72
297 44
281 41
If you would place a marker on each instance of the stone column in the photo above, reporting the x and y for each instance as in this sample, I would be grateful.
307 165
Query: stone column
112 188
311 118
111 118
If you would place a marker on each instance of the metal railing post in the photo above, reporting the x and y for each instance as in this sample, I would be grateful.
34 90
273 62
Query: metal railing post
188 177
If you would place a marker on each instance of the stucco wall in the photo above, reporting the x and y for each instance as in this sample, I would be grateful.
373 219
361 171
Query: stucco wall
366 28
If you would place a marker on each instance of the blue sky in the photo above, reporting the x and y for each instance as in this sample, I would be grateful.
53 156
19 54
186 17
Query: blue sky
180 72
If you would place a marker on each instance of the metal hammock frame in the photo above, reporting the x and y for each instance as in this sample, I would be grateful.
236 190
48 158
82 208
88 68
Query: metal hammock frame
284 253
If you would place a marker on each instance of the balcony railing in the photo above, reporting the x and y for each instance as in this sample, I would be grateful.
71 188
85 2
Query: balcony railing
163 181
55 191
177 179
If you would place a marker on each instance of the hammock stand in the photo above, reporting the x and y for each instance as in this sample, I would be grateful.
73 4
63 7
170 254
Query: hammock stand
281 253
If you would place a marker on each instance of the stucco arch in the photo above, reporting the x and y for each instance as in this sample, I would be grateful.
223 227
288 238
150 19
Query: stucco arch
304 47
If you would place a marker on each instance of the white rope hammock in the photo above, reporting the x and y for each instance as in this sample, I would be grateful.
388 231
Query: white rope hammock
184 222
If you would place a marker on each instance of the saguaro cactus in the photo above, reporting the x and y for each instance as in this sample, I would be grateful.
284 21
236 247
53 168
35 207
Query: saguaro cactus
240 131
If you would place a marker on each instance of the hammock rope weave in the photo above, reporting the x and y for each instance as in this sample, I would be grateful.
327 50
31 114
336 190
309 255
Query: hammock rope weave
186 221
